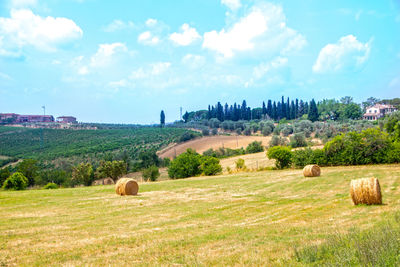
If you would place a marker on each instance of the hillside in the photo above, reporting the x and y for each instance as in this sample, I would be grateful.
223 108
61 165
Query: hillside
50 144
214 142
253 218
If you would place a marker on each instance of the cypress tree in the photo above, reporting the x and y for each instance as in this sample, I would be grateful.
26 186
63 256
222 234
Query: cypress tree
264 109
292 111
269 108
274 112
282 109
244 110
279 111
162 118
288 109
313 112
296 109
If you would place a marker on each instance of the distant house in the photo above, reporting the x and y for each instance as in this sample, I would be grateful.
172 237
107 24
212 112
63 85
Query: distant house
34 118
378 111
66 119
8 116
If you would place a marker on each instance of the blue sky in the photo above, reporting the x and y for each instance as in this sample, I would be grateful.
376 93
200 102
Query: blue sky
124 61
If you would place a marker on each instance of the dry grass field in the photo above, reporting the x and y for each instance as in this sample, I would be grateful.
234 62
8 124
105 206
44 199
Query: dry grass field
252 161
246 219
214 142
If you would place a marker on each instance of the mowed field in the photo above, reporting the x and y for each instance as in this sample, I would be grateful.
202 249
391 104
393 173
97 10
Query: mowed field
247 219
214 142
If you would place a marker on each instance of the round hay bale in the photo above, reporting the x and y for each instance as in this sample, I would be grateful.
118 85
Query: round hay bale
366 191
126 186
312 171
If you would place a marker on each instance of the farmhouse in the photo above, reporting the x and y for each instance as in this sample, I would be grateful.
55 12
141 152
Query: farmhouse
66 119
34 118
378 111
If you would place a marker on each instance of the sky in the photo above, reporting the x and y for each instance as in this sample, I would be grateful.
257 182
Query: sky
124 61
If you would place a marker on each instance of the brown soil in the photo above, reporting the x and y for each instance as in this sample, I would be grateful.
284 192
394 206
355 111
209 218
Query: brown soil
214 142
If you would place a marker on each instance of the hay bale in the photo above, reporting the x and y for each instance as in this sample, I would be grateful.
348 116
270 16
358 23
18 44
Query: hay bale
126 186
366 191
311 171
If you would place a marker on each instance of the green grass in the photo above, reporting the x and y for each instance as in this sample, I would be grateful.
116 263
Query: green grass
257 218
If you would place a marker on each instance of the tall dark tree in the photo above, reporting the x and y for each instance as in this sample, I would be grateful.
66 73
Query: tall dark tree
219 112
288 112
296 114
279 111
244 110
306 108
264 108
226 112
162 118
274 112
185 117
313 111
209 112
282 109
269 108
292 111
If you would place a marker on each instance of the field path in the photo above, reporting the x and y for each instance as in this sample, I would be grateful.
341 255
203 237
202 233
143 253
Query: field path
214 142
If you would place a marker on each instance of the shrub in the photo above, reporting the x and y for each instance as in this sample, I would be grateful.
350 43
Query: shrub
151 174
50 186
277 140
210 166
214 131
187 136
247 131
185 165
282 155
254 147
287 130
298 140
83 174
240 164
113 169
17 181
205 132
4 174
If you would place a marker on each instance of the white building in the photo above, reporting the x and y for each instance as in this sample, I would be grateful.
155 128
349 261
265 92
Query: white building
378 111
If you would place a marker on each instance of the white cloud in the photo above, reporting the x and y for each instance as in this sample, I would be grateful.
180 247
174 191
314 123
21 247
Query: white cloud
5 76
147 38
347 54
262 31
118 25
151 22
105 53
24 28
154 69
262 69
23 3
193 61
187 36
232 4
83 70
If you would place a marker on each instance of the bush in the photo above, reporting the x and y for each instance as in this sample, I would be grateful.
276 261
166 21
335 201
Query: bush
277 140
247 131
254 147
210 166
214 131
240 164
17 181
282 155
298 140
190 164
113 169
205 132
185 165
83 174
187 136
287 130
4 174
151 174
50 186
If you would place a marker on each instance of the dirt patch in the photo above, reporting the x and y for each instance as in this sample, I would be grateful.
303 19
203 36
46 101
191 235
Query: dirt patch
214 142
